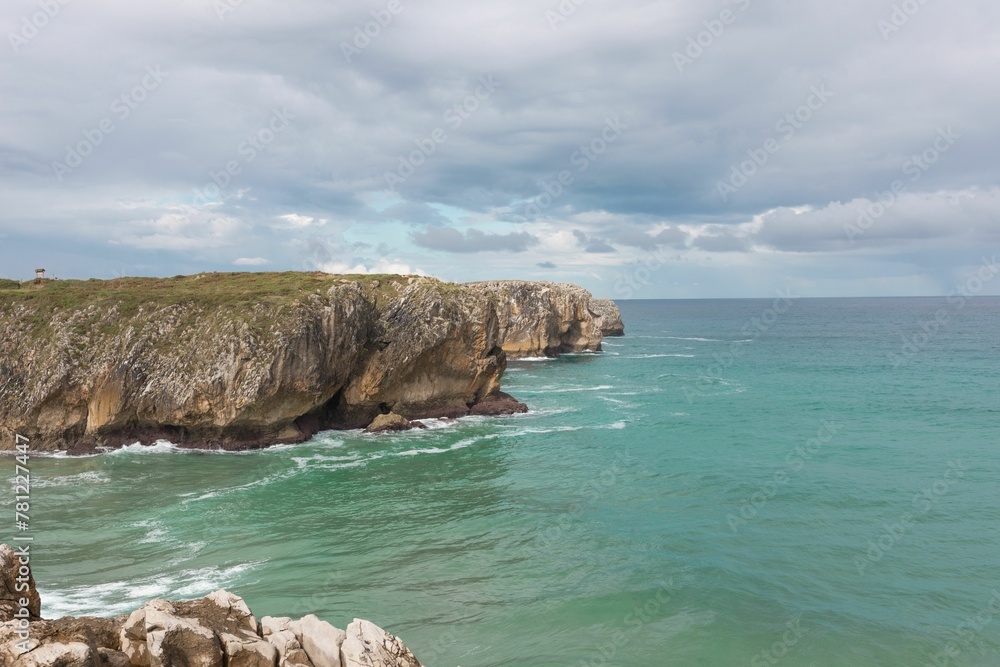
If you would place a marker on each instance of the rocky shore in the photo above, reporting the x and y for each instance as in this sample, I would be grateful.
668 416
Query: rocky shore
218 630
247 360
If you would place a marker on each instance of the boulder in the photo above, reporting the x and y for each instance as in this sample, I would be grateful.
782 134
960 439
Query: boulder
368 645
174 640
496 404
388 423
66 642
278 631
320 640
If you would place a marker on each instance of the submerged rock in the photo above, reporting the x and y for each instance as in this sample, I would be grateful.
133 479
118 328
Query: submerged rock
218 630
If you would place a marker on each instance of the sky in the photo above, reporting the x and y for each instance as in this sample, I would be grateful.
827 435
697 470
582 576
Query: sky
669 149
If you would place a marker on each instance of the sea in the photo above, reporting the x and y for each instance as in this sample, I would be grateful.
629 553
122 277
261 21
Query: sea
784 481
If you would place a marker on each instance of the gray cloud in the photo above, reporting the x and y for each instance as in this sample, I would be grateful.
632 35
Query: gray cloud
262 106
473 240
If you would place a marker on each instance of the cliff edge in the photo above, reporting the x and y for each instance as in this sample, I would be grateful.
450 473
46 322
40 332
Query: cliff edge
249 359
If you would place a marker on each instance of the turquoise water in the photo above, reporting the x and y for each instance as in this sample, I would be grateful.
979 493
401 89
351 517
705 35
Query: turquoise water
709 491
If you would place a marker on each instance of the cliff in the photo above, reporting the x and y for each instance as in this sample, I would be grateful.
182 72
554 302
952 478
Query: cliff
218 630
610 318
243 360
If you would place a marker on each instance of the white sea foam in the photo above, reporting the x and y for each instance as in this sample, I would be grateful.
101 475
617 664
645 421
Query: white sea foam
708 340
79 479
124 596
661 356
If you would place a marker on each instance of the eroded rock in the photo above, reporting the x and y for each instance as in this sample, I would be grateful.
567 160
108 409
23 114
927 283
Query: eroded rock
368 645
388 423
17 586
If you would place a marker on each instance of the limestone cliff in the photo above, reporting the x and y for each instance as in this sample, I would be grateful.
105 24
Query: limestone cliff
541 319
610 317
241 360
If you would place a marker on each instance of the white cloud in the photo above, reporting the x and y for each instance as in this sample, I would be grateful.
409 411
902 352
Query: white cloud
251 261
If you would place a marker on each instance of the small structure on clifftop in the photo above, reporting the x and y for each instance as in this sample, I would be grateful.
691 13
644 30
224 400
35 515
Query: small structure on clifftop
39 275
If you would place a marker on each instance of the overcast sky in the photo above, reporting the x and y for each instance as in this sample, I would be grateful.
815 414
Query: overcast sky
639 148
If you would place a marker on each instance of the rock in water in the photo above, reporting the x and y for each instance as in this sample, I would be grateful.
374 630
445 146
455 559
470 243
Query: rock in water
389 422
610 317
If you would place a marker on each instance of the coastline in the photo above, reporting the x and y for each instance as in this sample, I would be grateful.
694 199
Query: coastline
245 361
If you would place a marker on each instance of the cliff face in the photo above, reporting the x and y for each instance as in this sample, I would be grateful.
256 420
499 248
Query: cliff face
541 319
238 360
610 317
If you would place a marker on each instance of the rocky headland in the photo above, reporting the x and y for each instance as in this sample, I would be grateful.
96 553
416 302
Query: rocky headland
246 360
218 630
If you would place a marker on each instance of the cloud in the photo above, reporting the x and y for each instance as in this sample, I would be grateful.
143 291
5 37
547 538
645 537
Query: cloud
546 265
314 192
590 244
449 239
251 261
379 266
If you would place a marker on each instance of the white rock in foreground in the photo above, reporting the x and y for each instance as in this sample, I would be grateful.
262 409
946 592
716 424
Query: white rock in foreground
368 645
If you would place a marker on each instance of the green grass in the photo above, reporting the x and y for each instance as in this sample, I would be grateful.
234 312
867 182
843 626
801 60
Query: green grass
209 289
204 291
7 283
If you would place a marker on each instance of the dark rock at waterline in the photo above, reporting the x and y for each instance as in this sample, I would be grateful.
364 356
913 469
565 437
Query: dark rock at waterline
498 404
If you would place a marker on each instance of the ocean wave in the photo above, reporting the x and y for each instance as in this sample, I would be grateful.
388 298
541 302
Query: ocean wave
121 597
708 340
461 444
263 481
660 356
564 390
79 479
